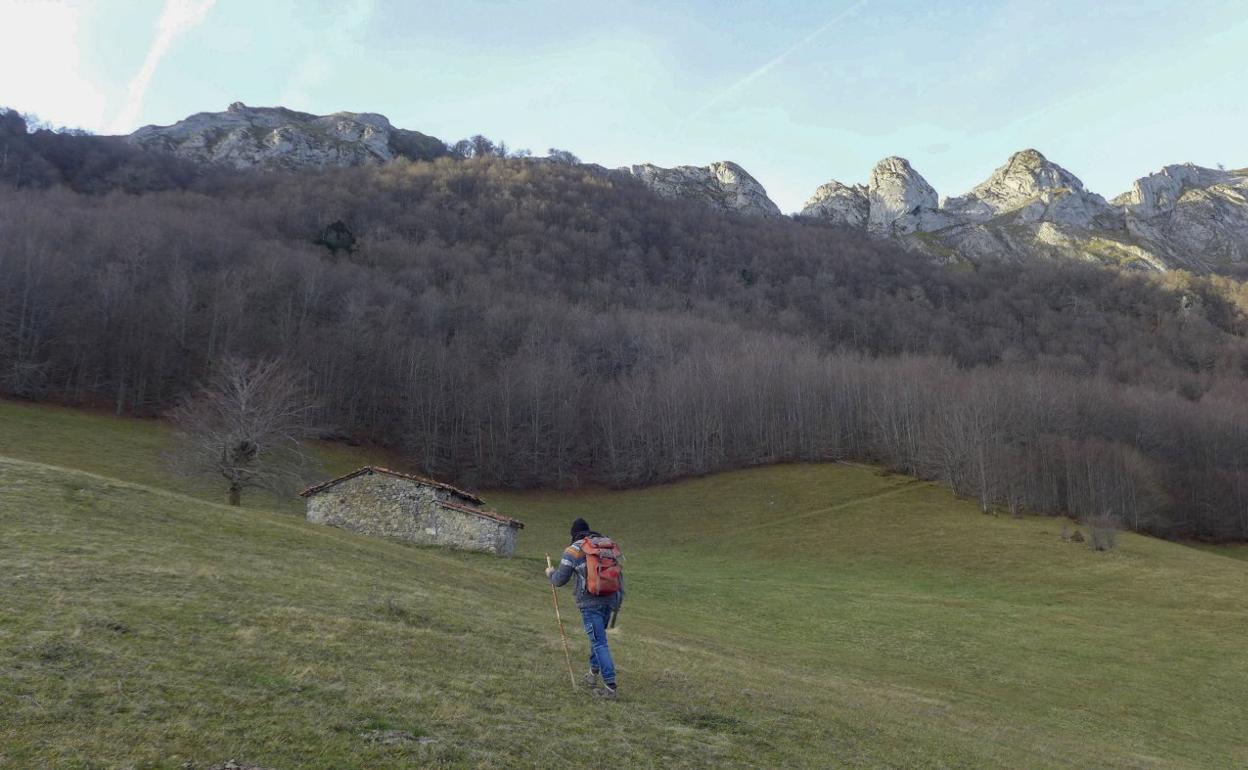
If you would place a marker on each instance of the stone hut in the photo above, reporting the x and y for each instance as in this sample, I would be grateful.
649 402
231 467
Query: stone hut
379 501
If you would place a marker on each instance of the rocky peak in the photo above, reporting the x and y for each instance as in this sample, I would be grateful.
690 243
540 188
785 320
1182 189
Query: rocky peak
839 204
900 199
275 137
1197 217
722 185
1036 188
1182 216
1159 193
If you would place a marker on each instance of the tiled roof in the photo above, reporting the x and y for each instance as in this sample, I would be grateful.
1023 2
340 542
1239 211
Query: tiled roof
486 514
397 474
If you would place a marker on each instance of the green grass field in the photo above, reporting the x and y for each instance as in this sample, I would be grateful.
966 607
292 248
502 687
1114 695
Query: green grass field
791 616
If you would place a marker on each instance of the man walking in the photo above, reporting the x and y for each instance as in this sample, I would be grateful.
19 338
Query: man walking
599 591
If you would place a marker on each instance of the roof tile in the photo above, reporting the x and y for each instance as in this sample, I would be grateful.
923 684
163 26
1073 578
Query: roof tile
397 474
484 513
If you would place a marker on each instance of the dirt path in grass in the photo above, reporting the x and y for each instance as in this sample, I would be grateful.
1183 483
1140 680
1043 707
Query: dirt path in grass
907 486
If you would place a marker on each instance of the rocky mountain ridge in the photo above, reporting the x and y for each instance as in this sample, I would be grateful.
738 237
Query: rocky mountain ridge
1183 216
278 138
723 185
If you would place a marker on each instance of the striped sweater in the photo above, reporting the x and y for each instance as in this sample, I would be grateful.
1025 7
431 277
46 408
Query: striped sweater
573 564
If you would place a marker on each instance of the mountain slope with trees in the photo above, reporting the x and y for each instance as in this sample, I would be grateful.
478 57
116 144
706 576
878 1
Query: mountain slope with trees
505 322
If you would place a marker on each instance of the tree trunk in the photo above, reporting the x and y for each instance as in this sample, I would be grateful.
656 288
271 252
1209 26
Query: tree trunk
236 494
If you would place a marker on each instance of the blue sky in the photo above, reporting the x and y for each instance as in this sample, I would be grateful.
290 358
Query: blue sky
798 93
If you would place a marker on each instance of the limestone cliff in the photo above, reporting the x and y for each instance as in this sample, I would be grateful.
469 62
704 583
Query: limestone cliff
275 137
839 204
1195 217
1034 190
901 201
1031 208
724 186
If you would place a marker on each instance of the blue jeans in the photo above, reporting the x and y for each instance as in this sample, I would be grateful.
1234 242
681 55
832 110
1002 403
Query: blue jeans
596 619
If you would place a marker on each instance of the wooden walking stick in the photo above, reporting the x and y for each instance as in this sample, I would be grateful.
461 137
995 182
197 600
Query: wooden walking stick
567 656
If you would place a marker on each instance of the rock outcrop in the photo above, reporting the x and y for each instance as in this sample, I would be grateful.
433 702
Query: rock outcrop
1159 193
1194 217
839 204
901 200
724 186
1183 216
275 137
1033 189
278 138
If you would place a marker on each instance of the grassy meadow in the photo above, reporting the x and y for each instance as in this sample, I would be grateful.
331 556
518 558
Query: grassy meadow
789 616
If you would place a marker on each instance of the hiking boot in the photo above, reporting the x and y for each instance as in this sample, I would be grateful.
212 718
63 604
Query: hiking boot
590 680
607 692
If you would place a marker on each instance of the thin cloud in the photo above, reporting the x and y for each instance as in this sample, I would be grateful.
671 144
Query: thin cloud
769 66
326 52
177 18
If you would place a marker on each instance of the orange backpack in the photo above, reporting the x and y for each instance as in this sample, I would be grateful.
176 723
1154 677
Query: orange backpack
602 565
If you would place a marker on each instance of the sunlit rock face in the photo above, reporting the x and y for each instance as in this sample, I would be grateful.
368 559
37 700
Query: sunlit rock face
901 200
275 137
1183 216
839 204
724 186
1197 218
1159 193
1036 189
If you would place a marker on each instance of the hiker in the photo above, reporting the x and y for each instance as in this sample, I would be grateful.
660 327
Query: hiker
599 591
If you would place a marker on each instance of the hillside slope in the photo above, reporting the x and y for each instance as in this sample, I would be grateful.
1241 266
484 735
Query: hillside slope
512 324
807 615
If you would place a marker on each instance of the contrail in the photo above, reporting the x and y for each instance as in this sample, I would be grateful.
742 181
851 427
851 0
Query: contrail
178 17
769 66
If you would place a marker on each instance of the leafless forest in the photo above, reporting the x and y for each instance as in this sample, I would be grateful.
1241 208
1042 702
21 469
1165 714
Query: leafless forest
521 323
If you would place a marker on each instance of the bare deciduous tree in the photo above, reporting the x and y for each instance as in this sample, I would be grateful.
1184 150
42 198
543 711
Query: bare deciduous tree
248 424
562 156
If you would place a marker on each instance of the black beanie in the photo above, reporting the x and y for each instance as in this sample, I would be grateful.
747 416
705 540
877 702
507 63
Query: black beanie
580 527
